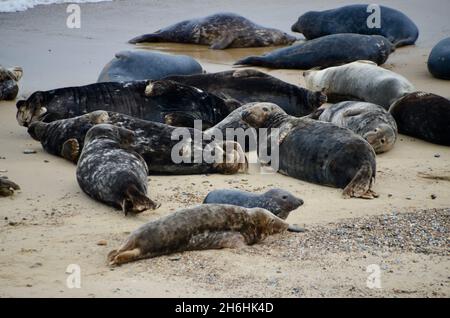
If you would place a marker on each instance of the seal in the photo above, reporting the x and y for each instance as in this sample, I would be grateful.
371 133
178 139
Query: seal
423 115
372 122
8 82
7 187
155 142
278 201
317 151
324 52
439 60
219 31
249 86
160 101
360 80
393 24
144 65
110 172
207 226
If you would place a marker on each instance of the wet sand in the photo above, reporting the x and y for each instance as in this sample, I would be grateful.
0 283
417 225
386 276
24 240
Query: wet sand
51 223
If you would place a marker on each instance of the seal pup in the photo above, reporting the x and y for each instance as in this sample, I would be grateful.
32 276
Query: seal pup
278 201
7 187
248 86
110 172
161 101
324 52
439 60
360 80
393 25
370 121
145 65
206 226
423 115
219 31
317 151
8 82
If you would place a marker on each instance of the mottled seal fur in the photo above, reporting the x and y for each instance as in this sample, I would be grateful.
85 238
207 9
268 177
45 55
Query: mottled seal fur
161 101
145 65
110 172
248 86
439 60
394 25
207 226
370 121
7 187
317 151
219 31
324 52
423 115
360 80
278 201
8 82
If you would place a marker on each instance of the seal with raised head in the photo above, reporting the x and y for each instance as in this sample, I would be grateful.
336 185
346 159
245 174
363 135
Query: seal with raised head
317 151
360 80
8 82
111 172
370 121
219 31
324 52
144 65
393 24
206 226
278 201
248 86
7 187
423 115
439 60
161 101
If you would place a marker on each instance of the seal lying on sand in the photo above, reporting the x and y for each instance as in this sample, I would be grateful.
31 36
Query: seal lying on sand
248 86
423 115
439 60
7 187
109 171
145 65
278 201
361 80
206 226
8 82
326 51
393 24
161 101
370 121
317 151
219 31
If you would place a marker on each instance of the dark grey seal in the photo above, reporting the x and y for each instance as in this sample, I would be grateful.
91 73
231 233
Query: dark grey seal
144 65
439 60
8 82
219 31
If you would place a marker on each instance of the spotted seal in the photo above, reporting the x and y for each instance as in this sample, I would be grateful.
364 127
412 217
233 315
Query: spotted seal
8 82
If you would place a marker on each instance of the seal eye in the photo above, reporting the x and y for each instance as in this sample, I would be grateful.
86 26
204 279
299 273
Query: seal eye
382 141
265 109
284 197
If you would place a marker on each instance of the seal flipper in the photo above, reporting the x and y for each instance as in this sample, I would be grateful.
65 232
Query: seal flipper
216 240
7 187
360 186
151 37
135 201
71 150
117 258
223 42
250 60
182 119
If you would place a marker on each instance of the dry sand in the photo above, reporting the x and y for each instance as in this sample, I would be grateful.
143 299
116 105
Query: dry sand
51 223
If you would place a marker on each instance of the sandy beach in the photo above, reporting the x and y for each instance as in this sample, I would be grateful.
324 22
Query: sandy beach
51 223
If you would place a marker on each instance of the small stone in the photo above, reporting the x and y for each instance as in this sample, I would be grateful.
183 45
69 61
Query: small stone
102 243
29 285
38 264
433 197
437 155
12 223
46 161
389 195
175 258
29 151
3 170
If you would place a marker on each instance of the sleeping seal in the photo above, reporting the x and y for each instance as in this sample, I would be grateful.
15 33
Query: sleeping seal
161 101
206 226
361 80
317 151
145 65
278 201
8 82
7 187
219 31
394 25
110 172
326 51
370 121
423 115
439 60
248 86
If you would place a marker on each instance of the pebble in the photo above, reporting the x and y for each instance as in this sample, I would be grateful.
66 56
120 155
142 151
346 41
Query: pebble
29 151
102 243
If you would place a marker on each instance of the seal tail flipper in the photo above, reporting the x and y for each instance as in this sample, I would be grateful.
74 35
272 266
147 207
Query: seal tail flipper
116 257
71 150
7 187
151 37
250 60
137 202
361 184
223 42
